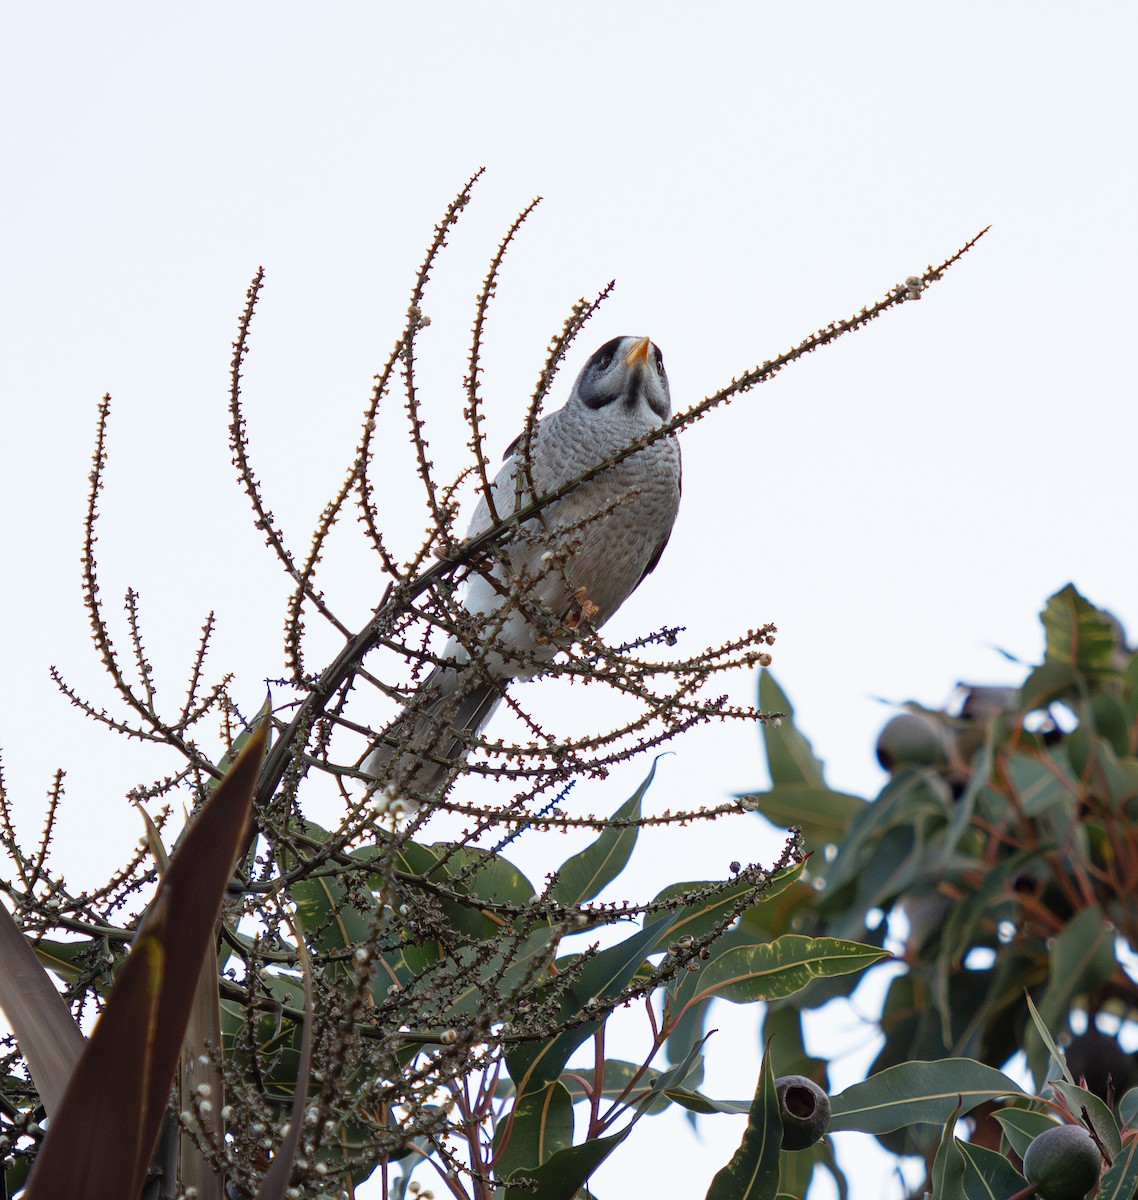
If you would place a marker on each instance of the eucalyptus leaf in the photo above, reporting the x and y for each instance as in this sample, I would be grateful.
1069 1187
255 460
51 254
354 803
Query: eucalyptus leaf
988 1175
742 971
753 1171
586 874
948 1163
790 758
1089 1109
918 1093
1121 1179
1022 1126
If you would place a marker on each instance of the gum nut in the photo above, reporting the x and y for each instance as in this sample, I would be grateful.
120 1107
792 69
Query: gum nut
1063 1163
805 1111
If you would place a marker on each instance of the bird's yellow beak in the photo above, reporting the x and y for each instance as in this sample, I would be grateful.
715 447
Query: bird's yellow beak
638 353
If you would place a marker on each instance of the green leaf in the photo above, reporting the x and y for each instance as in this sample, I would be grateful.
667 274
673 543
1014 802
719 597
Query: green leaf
905 801
948 1164
741 971
713 901
540 1125
1121 1180
622 1080
1079 635
1128 1107
1099 1119
753 1172
1044 1034
1047 683
916 1093
1081 959
490 877
963 926
72 960
336 911
797 1167
790 758
515 963
697 1102
988 1175
604 976
824 815
782 1028
1111 722
1022 1126
1038 785
586 874
560 1176
564 1173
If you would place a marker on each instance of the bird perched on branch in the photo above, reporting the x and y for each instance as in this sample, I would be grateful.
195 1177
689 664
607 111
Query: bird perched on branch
576 560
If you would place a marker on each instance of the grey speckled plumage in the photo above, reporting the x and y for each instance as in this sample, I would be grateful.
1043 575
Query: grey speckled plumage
574 562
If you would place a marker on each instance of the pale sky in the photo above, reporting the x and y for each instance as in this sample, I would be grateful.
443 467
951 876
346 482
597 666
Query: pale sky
899 504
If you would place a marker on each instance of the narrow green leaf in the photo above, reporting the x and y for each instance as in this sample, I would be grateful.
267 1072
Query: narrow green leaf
618 1075
335 914
490 877
1038 784
604 976
1089 1109
71 960
718 899
1044 1035
1121 1180
988 1175
797 1168
824 815
915 1093
562 1175
790 757
742 971
567 1170
907 798
514 962
1022 1126
753 1172
1082 958
1047 683
540 1125
697 1102
1128 1107
44 1027
631 1083
948 1164
585 875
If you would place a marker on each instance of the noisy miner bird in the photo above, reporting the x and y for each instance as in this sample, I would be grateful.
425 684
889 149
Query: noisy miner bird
579 559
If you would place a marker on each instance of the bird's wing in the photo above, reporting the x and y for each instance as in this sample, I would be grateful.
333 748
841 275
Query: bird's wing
657 554
654 561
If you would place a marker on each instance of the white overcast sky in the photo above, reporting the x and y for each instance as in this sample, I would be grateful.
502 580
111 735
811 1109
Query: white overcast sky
899 504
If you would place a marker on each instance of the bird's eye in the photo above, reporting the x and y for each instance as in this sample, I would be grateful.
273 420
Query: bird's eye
602 358
659 361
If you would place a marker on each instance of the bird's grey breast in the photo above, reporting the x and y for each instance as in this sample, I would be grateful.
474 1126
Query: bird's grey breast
613 526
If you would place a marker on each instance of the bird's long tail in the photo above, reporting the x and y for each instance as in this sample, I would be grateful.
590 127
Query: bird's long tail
422 751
